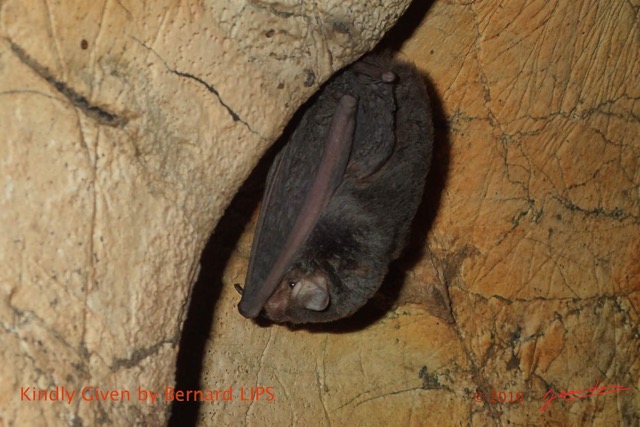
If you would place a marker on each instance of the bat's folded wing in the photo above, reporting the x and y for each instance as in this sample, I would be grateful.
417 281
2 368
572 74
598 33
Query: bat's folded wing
304 176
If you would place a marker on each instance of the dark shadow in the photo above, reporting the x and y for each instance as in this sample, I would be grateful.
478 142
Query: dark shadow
207 289
406 25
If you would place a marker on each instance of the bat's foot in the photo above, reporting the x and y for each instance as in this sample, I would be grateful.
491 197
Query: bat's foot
376 72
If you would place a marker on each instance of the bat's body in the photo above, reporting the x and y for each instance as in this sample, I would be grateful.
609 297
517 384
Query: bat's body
341 195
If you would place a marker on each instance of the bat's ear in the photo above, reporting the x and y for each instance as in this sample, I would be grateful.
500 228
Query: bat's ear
312 293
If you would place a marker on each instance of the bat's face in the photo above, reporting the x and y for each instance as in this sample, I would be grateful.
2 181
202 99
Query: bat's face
296 295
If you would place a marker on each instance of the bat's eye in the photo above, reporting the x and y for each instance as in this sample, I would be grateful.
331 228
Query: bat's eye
292 283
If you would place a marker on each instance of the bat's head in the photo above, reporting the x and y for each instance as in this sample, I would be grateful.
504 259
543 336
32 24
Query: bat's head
298 297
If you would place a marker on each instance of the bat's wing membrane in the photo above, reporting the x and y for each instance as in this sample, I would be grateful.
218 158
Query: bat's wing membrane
300 184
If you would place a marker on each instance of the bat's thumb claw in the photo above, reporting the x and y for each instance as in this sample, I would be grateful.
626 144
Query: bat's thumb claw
248 310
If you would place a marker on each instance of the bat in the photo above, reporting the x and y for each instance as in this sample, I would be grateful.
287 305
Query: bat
341 195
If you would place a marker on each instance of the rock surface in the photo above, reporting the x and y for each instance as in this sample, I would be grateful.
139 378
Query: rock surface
126 128
523 274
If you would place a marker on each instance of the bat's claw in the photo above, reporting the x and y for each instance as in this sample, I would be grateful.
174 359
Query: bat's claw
370 70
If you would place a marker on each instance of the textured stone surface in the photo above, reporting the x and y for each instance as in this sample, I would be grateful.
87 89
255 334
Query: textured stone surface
530 234
125 129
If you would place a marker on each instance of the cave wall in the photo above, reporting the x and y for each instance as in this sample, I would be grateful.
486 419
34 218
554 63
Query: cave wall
125 130
522 275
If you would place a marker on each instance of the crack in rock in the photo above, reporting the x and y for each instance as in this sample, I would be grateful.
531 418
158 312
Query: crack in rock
212 89
99 114
140 354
